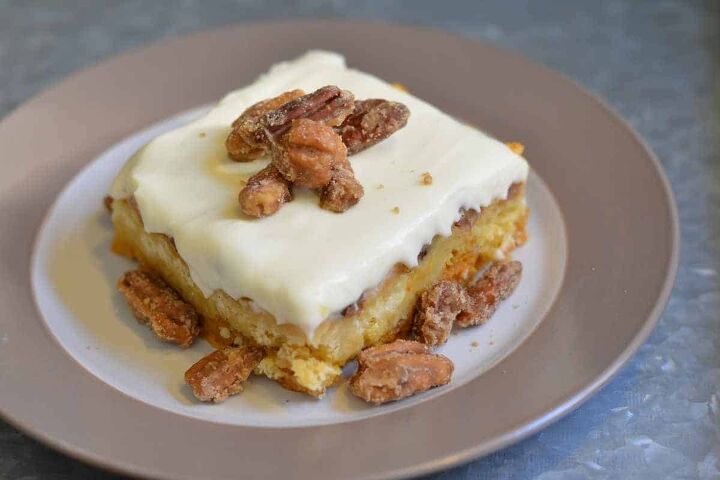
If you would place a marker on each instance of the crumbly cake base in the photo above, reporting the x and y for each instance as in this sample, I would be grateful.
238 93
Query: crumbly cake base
380 315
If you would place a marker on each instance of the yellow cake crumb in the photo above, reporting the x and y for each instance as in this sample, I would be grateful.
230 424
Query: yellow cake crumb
516 147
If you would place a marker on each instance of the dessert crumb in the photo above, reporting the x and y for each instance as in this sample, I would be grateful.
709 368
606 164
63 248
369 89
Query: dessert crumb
517 148
202 134
399 86
475 344
426 179
515 307
395 210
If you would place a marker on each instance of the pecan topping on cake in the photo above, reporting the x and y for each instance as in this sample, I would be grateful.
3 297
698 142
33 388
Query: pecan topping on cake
308 153
343 191
438 308
371 122
264 193
328 105
155 303
220 374
398 370
496 284
247 140
305 149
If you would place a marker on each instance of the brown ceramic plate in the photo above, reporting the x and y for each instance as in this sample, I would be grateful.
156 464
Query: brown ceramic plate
616 205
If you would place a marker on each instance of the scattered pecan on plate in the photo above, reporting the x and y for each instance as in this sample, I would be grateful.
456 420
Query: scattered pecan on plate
155 303
449 303
222 373
397 370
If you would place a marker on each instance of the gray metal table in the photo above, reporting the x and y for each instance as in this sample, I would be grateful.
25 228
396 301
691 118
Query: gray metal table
656 62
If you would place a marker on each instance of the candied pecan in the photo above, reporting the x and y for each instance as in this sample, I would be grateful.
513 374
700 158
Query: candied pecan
307 153
220 374
343 191
398 370
155 303
437 309
496 284
372 121
247 141
264 193
328 105
397 347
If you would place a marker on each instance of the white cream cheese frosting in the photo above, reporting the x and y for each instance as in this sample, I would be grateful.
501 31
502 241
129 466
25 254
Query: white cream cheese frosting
304 263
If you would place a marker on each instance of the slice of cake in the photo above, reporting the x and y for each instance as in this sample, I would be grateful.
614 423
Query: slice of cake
310 286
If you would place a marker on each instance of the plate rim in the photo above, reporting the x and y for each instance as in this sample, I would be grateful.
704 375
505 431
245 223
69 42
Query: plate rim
519 432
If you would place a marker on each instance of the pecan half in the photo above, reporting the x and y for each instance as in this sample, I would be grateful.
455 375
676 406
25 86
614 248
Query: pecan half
308 152
393 348
496 284
437 309
371 122
222 373
328 105
155 303
247 141
264 193
398 370
343 191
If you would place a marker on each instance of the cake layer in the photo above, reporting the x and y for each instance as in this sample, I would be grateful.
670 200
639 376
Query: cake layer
377 316
304 263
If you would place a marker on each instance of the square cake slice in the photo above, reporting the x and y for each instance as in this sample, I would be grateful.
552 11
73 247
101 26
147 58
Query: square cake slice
310 286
